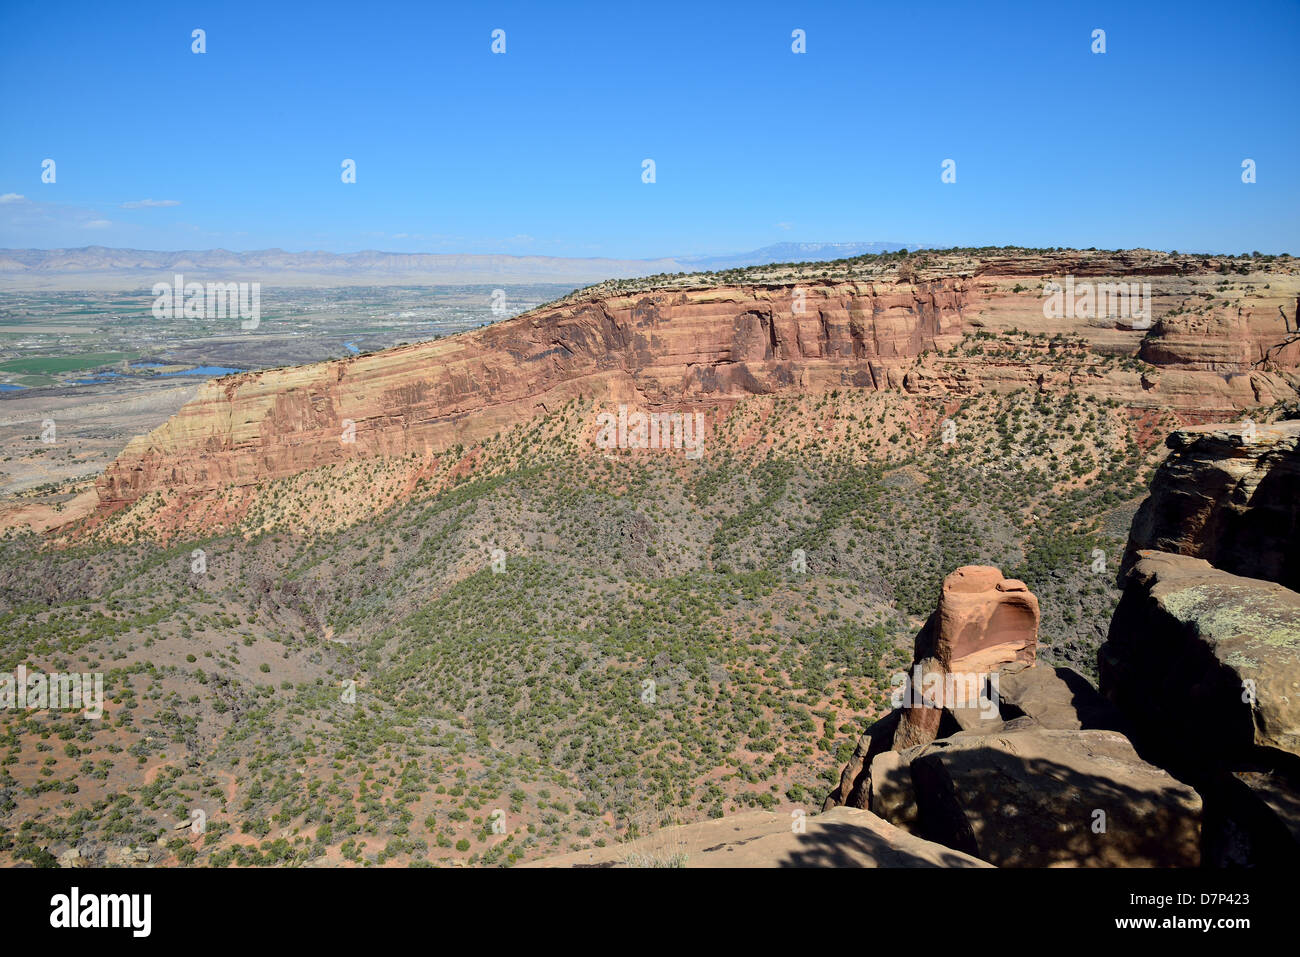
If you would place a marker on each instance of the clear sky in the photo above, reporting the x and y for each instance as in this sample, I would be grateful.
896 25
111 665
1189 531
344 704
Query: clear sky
540 150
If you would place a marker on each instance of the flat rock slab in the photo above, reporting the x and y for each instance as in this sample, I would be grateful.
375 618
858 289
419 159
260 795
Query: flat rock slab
840 837
1205 662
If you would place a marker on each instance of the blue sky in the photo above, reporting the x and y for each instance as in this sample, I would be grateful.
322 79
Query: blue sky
539 150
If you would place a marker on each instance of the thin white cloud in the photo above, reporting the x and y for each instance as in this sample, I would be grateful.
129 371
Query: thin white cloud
150 203
31 223
11 198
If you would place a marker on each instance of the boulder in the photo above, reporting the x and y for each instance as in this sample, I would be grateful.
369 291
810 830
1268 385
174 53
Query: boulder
1050 798
1205 664
1056 698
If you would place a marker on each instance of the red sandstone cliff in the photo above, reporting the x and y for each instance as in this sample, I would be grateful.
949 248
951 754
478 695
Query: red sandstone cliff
687 347
699 348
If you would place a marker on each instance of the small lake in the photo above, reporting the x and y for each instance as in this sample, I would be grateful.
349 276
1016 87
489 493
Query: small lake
208 371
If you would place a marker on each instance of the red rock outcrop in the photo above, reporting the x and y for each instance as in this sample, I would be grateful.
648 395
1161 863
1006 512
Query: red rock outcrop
1024 779
1229 494
690 349
983 623
1196 728
1228 340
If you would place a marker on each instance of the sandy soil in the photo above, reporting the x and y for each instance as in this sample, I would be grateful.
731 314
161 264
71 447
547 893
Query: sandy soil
90 428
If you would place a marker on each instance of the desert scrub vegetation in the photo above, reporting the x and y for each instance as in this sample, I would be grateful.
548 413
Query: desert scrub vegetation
376 692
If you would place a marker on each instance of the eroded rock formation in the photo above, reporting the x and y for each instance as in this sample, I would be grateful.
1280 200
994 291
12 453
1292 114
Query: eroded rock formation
1037 773
703 348
983 623
1225 340
1228 494
1191 752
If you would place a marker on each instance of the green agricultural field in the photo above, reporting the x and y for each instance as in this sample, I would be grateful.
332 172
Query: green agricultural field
56 364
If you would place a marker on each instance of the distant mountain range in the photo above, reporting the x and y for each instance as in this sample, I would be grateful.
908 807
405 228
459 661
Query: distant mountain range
101 267
795 253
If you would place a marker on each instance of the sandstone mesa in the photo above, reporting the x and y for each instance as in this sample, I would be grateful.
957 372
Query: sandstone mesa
689 345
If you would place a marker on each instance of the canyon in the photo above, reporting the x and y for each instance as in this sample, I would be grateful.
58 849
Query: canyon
359 652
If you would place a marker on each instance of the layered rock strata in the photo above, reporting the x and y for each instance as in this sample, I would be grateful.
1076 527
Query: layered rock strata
1229 494
703 347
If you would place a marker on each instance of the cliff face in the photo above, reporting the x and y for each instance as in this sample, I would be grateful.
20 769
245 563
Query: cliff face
1226 339
1229 495
1206 662
679 349
684 349
1203 654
